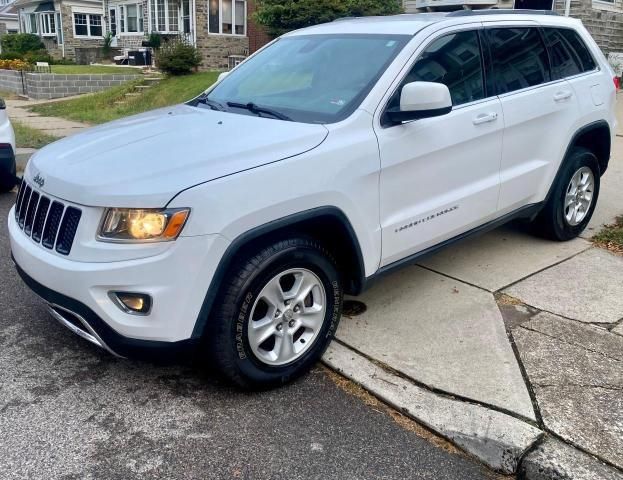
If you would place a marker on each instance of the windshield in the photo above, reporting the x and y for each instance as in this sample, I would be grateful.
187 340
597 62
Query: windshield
311 79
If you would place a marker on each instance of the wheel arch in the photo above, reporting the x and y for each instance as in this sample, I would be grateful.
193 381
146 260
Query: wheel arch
595 137
328 224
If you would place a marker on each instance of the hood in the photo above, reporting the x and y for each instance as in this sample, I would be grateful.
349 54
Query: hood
145 160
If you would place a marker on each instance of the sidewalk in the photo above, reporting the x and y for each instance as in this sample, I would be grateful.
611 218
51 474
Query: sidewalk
58 127
508 345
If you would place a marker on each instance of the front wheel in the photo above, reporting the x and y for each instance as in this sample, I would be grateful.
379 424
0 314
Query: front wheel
573 198
278 311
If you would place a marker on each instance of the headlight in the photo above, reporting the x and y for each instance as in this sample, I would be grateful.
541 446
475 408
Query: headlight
142 225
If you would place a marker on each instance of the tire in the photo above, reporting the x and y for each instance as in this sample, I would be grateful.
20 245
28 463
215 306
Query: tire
248 309
554 220
8 180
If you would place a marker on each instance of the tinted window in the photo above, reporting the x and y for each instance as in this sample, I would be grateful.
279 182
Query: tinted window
575 43
453 60
564 61
519 58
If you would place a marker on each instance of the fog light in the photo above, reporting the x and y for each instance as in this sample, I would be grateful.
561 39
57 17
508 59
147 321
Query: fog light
139 303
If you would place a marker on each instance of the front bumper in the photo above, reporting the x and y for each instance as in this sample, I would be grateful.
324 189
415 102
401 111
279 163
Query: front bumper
177 280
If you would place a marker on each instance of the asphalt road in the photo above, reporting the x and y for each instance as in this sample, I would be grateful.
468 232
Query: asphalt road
69 410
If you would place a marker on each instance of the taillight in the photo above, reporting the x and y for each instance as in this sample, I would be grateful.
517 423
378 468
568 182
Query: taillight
617 82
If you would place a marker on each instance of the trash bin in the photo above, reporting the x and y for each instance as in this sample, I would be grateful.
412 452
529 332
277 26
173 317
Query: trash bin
141 56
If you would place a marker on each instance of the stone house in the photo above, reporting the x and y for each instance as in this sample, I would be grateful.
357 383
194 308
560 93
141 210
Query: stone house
602 18
220 29
72 29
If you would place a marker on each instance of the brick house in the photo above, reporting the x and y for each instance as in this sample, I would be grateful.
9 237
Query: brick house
220 29
603 18
71 29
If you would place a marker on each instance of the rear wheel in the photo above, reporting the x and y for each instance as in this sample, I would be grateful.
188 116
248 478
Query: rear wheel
573 198
277 313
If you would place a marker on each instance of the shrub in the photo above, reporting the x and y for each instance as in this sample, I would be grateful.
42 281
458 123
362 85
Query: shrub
14 65
280 17
21 43
178 58
155 40
37 56
107 47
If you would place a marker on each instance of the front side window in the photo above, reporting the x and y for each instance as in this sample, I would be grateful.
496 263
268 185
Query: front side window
87 25
519 58
227 17
312 79
454 60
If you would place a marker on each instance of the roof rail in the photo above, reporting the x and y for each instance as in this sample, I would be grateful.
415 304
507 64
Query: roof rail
500 11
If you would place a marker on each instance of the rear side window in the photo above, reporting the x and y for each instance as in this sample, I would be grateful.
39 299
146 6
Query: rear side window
453 60
577 45
519 58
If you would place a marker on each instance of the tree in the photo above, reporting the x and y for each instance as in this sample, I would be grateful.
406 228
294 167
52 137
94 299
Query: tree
281 16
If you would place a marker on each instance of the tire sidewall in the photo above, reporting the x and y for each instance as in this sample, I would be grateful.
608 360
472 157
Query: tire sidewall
578 159
293 257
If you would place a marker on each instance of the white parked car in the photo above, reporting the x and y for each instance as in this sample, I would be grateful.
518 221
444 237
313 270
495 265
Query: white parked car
236 223
8 180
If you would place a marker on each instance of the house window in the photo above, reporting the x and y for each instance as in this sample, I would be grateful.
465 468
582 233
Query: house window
228 17
87 25
48 24
33 23
167 16
113 22
131 18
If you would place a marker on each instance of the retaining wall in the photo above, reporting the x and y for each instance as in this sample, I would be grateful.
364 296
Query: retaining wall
52 85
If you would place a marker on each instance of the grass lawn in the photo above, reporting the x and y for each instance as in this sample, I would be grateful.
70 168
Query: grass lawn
89 69
611 237
100 107
30 137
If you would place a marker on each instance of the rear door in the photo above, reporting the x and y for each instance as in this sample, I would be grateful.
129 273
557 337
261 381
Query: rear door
440 176
539 111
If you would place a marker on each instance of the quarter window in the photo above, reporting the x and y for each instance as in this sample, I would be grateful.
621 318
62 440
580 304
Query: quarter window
454 60
519 58
577 45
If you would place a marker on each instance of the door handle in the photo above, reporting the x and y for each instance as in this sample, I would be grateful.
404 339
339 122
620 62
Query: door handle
485 118
560 96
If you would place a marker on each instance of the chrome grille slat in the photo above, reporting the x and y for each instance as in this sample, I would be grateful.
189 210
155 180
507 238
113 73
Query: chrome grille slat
24 206
48 221
20 192
40 216
30 212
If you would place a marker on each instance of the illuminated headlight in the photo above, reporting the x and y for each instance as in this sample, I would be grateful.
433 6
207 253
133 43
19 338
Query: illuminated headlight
142 225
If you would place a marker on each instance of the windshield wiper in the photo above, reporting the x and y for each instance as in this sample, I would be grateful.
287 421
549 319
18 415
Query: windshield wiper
211 103
253 108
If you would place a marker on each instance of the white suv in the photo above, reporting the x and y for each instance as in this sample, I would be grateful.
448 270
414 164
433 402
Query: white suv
236 223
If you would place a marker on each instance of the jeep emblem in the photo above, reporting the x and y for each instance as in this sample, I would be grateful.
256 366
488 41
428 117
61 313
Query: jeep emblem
39 180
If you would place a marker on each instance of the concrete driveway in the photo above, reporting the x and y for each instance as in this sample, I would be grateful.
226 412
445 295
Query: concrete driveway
502 343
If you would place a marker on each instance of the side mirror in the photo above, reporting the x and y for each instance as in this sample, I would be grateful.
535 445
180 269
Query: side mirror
221 76
421 100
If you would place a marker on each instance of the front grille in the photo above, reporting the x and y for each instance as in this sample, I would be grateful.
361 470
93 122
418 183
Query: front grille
45 220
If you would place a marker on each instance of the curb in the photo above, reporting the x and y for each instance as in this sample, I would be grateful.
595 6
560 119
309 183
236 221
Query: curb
502 442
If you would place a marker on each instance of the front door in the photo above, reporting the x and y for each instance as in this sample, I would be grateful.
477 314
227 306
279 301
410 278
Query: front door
440 176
